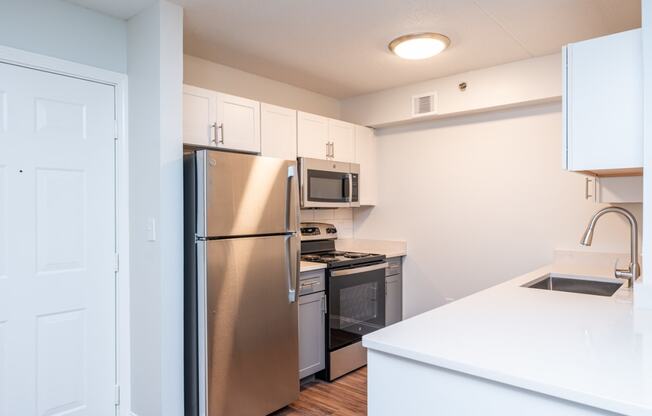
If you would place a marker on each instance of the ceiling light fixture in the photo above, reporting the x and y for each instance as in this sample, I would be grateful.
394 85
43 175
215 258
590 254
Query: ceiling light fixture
419 45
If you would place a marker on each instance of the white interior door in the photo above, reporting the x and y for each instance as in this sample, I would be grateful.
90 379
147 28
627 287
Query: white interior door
57 244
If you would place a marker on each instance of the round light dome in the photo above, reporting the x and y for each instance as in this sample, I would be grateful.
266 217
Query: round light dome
419 45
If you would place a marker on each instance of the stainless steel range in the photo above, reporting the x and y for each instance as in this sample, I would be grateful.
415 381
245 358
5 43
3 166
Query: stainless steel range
355 290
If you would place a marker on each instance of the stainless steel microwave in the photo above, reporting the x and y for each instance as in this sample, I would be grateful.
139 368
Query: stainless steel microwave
328 183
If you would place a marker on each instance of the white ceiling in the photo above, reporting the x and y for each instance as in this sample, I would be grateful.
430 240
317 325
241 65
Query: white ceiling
123 9
339 47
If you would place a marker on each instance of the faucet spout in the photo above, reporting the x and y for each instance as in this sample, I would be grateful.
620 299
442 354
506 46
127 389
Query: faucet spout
634 269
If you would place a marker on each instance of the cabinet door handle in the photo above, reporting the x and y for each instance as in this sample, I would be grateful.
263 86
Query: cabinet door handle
587 193
333 150
323 304
328 149
221 137
214 133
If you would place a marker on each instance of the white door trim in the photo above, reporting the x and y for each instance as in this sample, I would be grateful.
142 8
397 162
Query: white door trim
119 81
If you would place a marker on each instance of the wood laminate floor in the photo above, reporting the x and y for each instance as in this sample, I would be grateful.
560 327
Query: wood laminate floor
346 396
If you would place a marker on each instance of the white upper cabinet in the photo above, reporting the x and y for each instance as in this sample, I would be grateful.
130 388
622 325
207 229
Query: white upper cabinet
342 135
278 131
313 140
365 155
220 120
199 110
603 104
324 138
238 123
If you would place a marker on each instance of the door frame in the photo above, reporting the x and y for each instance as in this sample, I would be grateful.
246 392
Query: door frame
119 82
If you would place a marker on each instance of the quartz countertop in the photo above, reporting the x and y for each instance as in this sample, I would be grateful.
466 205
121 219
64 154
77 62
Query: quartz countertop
588 349
308 266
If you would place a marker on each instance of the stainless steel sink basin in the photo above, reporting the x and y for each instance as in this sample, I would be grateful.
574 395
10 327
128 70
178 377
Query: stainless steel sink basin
575 285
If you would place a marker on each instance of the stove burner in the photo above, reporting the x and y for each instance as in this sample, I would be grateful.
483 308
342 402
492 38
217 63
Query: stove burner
355 255
340 258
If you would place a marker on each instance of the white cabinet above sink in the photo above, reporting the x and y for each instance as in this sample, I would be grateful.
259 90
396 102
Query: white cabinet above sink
603 105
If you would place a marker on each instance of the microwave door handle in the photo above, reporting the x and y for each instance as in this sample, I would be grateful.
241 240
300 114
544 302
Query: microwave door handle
350 187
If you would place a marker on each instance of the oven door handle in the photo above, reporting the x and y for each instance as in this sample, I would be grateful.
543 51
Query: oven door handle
356 270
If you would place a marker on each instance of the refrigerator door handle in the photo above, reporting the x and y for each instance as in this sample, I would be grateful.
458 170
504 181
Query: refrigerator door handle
292 200
293 257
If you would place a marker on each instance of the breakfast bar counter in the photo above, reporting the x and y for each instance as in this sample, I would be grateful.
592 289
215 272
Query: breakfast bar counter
512 347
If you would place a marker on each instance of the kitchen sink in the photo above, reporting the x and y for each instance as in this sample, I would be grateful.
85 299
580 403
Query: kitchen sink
575 285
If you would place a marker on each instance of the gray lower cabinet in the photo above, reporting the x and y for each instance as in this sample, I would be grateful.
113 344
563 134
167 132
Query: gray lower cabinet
393 291
312 341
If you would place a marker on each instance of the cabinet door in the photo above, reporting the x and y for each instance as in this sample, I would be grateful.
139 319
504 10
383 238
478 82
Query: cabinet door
393 299
313 140
365 156
312 336
199 112
342 135
238 122
603 103
278 131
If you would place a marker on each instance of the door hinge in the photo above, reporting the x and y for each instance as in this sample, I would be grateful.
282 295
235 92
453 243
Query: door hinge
115 129
117 394
116 262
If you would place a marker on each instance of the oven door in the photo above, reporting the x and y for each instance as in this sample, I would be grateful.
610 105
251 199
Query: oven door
325 184
356 303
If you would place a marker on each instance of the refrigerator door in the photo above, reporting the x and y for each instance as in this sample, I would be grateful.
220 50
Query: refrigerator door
250 364
241 195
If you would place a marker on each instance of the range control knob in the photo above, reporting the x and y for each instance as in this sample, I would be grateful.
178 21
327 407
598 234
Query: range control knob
331 230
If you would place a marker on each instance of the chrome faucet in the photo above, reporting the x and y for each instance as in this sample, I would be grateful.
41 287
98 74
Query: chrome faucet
634 269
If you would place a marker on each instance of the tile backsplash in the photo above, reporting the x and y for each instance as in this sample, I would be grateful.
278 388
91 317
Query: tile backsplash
341 218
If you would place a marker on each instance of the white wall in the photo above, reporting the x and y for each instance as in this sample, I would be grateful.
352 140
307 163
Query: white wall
523 82
66 31
155 85
341 218
480 199
206 74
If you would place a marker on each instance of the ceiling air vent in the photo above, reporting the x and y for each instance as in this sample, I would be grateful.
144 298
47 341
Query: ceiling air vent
424 104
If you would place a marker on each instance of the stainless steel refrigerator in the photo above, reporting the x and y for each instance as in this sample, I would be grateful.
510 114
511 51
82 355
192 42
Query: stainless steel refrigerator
242 264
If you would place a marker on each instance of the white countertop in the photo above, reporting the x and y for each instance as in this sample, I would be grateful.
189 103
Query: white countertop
308 266
589 349
388 248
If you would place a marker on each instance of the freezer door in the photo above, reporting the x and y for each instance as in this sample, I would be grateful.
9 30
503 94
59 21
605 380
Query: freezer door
251 329
242 194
